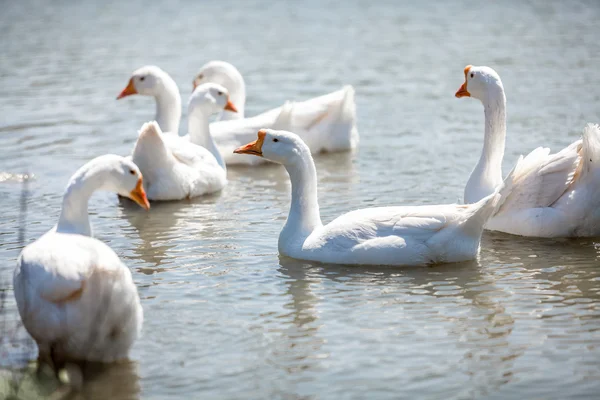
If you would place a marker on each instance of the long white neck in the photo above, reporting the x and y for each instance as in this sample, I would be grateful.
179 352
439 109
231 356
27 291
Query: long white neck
304 216
168 106
74 214
488 171
199 131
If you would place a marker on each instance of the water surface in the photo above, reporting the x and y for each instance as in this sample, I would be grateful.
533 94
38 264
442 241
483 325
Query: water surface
226 317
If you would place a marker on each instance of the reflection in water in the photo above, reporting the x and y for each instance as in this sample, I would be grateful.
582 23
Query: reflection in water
301 348
478 319
168 221
90 381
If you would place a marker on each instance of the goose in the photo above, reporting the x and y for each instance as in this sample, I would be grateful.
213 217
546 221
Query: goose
392 236
152 81
553 195
324 124
176 169
75 297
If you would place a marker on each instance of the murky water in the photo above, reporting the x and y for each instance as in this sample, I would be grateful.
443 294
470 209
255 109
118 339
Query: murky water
225 316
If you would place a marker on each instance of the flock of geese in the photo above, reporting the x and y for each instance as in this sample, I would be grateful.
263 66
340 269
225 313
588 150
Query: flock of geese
78 300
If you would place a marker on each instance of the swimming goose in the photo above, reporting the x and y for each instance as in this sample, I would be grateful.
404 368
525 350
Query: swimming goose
326 123
153 81
75 297
394 236
553 195
176 169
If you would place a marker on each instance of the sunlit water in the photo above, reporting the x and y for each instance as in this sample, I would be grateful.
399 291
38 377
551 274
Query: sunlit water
225 316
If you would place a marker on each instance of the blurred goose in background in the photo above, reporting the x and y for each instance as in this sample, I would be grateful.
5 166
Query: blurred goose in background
75 297
326 123
394 236
554 195
176 169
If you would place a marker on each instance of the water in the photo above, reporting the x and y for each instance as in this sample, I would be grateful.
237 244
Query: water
225 316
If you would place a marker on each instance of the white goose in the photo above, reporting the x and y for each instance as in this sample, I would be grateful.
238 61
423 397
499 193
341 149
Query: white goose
554 195
416 235
176 169
75 297
325 123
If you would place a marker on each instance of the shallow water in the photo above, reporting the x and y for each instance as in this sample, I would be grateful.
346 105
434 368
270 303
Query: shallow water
225 316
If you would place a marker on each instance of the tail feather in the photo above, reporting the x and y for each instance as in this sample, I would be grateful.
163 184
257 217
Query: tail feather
149 145
590 149
284 119
505 188
150 128
331 119
591 136
486 207
343 132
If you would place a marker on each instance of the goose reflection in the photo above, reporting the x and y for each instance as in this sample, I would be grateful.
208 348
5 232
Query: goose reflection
301 349
171 224
547 269
112 381
460 298
90 381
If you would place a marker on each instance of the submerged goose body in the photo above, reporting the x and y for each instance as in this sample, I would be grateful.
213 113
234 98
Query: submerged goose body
394 236
553 195
176 169
326 123
75 297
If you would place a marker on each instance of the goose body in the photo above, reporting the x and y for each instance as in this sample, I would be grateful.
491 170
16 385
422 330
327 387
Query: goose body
553 195
75 297
326 123
176 169
394 236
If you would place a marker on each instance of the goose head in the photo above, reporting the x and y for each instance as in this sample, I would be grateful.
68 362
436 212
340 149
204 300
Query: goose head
126 179
228 76
278 146
480 83
220 72
147 81
208 99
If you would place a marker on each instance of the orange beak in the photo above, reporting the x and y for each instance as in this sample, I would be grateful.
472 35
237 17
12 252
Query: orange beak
230 107
195 83
128 91
462 90
139 195
254 148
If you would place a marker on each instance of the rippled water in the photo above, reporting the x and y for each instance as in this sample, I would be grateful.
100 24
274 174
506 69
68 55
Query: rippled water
225 316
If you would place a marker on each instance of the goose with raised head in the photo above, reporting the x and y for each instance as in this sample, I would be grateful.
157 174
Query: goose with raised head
554 195
153 81
394 236
176 169
75 297
326 123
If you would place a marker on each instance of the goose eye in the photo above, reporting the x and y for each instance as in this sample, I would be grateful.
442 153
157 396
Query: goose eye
276 140
142 78
220 93
132 172
472 74
200 77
